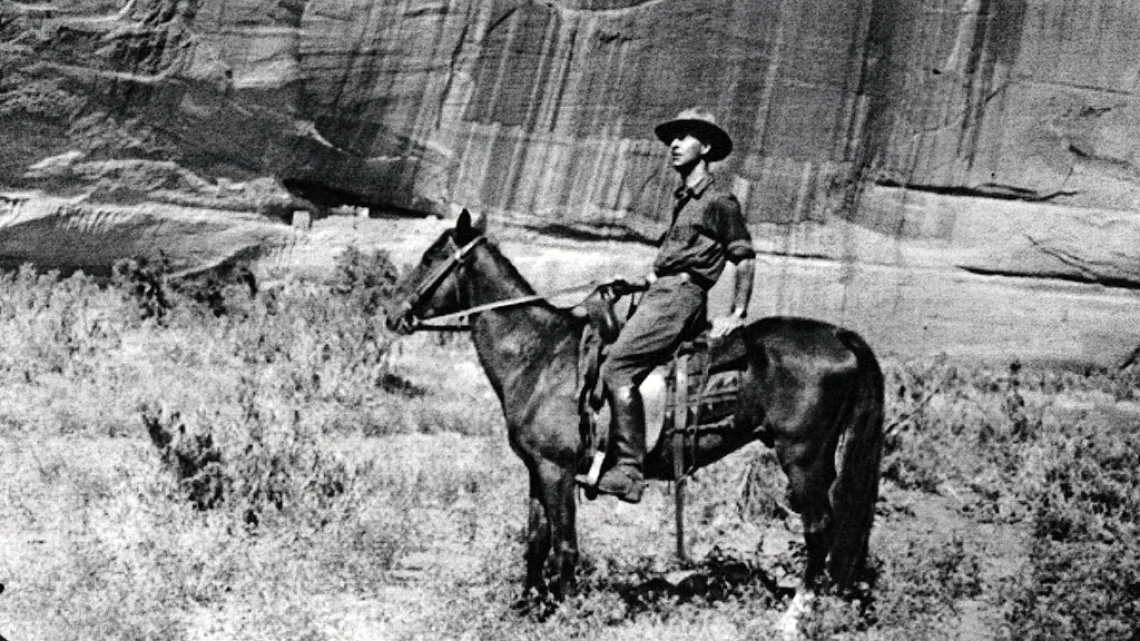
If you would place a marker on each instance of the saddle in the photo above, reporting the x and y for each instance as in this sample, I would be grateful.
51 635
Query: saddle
694 393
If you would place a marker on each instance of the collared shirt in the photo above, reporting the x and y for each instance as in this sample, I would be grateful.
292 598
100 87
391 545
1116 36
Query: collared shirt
707 229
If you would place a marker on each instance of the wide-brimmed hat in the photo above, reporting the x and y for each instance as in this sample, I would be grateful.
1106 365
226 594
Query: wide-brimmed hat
702 124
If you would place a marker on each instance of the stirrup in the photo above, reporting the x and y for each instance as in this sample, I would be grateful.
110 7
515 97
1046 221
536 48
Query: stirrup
630 491
630 494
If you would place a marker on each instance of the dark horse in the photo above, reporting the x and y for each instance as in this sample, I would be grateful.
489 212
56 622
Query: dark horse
812 390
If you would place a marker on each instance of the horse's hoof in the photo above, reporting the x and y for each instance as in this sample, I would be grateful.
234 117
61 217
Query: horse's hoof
789 623
522 606
534 604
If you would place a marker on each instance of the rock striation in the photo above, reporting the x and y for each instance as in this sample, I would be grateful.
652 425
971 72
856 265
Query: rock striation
989 137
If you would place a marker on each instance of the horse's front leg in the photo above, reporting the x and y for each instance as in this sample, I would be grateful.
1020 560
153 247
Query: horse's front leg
557 488
537 542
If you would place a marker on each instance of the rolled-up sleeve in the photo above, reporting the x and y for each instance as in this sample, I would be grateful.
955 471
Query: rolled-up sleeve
729 224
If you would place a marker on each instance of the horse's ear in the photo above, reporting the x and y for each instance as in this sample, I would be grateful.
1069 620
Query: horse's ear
463 226
466 229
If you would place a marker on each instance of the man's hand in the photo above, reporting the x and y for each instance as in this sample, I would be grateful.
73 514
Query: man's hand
727 324
644 281
635 284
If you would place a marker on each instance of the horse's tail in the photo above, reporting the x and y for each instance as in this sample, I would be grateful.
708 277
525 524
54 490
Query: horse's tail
856 487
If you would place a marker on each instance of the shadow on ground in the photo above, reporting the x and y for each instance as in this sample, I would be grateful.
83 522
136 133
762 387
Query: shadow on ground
712 580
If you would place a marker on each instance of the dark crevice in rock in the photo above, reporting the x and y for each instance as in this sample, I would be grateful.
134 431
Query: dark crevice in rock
323 197
1131 360
499 21
986 190
1083 278
452 68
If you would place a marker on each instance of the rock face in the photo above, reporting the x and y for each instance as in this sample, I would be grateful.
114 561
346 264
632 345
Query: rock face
69 234
992 137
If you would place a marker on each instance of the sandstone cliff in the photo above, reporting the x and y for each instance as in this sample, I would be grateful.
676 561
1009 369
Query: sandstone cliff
976 136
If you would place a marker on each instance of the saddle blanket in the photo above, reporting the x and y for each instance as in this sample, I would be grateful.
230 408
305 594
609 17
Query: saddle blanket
717 402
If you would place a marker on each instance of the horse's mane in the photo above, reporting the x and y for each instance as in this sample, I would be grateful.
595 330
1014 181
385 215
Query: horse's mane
511 272
508 268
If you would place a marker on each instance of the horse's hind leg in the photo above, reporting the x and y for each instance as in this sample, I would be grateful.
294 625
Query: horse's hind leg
537 542
557 484
810 474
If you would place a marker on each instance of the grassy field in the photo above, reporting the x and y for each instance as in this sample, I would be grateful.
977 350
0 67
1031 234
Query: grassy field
320 479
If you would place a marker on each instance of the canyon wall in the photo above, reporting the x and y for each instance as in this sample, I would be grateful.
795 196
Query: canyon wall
990 138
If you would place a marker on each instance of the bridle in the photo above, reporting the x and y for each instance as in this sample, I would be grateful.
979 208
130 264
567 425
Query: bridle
456 261
453 263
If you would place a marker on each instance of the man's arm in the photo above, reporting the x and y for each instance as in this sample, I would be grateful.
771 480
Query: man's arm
741 295
742 287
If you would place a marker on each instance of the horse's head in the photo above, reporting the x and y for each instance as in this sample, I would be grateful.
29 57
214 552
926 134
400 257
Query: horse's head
432 288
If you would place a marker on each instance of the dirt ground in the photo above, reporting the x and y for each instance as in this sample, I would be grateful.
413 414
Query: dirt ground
461 536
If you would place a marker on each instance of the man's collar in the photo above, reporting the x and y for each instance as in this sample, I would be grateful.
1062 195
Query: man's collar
696 190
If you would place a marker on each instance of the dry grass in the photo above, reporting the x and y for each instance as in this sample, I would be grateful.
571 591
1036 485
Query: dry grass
386 504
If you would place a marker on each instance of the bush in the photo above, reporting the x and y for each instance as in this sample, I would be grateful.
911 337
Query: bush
1083 576
54 325
365 279
917 591
151 284
266 460
145 282
969 428
1076 591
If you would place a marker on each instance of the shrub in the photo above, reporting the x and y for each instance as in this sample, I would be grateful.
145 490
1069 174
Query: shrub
145 281
365 279
917 592
193 459
1082 580
151 284
54 325
1077 590
966 427
265 459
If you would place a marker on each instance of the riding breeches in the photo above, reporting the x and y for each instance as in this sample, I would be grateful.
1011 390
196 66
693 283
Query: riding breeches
671 311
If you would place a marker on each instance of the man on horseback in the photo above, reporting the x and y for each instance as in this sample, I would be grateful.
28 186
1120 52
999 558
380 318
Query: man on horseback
706 230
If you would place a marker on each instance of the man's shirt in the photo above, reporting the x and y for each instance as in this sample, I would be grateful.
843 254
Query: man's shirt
707 229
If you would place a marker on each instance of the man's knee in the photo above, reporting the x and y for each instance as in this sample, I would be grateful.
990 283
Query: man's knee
618 374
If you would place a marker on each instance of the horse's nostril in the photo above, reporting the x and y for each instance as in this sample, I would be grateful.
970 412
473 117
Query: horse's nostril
400 323
396 323
399 317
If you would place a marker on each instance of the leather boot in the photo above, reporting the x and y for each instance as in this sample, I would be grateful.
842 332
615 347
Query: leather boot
625 479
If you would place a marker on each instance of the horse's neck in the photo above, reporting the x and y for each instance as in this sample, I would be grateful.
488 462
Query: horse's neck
515 343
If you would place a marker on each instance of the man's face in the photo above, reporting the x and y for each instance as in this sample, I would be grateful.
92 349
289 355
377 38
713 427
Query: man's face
685 150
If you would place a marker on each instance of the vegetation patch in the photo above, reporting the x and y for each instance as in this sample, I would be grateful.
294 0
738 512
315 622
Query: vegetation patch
241 459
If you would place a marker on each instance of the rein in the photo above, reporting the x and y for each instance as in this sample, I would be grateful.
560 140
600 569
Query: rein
443 323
